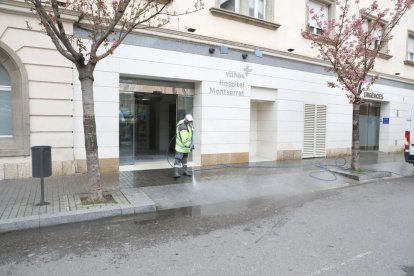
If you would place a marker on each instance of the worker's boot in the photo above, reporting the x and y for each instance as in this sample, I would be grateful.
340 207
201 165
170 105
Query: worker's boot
186 172
176 173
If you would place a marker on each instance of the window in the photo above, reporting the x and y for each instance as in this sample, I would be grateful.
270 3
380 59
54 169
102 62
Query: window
410 49
322 10
376 34
6 118
253 12
14 105
257 8
231 5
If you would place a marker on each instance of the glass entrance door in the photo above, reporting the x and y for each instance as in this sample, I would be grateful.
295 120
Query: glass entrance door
369 125
148 114
127 128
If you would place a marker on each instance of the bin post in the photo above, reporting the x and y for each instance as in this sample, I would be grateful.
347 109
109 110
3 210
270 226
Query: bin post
42 181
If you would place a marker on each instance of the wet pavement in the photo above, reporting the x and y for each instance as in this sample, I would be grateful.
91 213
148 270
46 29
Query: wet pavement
144 191
222 183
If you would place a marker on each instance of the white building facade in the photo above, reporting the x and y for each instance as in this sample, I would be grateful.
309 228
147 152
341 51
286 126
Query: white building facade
247 75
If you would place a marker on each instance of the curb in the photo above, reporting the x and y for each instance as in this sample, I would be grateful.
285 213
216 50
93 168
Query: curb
139 204
362 176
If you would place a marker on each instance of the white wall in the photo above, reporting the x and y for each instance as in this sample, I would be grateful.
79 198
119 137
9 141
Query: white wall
267 122
223 122
253 130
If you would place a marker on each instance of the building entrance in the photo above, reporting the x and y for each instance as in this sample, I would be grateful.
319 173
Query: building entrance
148 113
369 125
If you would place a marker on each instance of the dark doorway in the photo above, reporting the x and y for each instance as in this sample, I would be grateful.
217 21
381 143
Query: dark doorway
155 120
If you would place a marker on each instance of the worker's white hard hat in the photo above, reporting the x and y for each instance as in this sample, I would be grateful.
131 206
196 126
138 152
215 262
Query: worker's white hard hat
189 117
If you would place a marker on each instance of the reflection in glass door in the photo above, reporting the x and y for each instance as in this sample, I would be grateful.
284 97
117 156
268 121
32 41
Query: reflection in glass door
369 125
127 128
148 114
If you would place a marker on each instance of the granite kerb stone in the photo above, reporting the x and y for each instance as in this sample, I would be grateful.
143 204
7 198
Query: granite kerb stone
363 175
79 215
22 223
141 202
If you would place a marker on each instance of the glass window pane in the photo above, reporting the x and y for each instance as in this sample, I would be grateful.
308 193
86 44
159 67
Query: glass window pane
261 11
252 8
230 5
411 44
6 119
4 77
320 9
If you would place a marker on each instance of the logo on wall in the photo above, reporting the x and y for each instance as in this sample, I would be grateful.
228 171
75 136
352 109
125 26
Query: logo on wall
232 84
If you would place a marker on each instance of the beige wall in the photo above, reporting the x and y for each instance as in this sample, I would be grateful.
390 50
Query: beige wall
54 99
50 95
291 15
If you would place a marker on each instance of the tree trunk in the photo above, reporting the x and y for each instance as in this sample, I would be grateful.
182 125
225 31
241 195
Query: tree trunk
355 136
89 128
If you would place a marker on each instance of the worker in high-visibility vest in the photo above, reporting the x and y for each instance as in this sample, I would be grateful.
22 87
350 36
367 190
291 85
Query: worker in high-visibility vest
183 144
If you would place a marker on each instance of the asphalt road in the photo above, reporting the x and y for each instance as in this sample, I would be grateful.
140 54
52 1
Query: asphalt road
362 230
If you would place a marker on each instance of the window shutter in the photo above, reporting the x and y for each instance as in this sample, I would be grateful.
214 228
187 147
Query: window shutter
314 135
320 131
309 131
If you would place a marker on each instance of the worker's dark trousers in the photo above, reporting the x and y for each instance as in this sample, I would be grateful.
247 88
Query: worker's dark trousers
180 158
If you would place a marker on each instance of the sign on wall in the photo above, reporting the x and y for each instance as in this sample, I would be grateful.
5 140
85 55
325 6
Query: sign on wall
232 83
372 95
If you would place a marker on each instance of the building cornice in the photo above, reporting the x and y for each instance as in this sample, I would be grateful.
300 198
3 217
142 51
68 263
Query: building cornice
22 8
191 37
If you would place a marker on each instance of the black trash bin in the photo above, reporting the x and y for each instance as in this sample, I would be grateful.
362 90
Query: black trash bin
42 167
41 161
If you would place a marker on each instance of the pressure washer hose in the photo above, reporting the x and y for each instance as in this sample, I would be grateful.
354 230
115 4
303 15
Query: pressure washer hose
324 168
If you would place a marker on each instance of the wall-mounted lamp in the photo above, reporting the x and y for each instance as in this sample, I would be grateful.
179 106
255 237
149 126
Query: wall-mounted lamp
211 50
245 55
290 50
224 50
258 53
191 30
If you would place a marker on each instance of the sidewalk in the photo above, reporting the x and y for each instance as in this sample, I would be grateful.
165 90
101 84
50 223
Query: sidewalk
145 192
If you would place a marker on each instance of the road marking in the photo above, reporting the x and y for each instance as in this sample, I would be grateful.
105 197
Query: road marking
331 267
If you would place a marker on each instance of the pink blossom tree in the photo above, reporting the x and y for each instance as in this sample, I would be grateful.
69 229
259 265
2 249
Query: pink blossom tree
108 23
350 44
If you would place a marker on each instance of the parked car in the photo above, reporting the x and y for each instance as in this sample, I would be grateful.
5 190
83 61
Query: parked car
409 139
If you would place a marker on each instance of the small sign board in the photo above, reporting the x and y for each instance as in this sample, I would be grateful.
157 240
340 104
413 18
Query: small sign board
386 121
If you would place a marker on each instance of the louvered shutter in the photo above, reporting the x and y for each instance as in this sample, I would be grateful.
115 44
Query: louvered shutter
314 134
309 131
